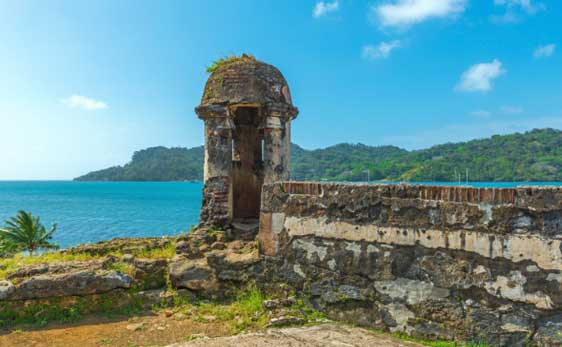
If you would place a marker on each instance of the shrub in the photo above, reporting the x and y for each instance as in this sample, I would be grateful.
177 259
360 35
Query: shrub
229 60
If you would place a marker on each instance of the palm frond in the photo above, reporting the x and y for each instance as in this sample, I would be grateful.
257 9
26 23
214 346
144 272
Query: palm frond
25 232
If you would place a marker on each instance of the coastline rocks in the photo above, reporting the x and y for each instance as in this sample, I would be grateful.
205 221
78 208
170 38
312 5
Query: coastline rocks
214 270
70 284
60 268
71 278
124 245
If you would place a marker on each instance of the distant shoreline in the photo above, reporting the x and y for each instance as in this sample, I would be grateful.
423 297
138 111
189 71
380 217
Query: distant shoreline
494 184
533 156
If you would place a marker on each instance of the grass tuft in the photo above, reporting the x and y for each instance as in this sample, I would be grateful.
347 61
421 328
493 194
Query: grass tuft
405 337
228 60
12 264
167 252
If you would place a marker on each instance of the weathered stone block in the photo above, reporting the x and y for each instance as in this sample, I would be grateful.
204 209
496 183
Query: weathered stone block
70 284
192 274
7 288
151 272
267 239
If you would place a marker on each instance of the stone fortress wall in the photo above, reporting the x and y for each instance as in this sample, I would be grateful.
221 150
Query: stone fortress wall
433 262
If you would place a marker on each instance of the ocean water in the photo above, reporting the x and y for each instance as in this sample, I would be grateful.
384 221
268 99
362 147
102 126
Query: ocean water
93 211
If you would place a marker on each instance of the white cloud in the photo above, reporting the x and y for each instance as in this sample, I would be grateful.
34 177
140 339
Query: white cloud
481 113
479 77
382 50
514 8
323 8
83 102
544 51
511 109
526 5
403 13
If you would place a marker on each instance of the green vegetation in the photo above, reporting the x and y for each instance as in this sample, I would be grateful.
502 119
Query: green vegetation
531 156
229 60
11 264
167 252
441 343
241 312
62 311
6 250
155 164
25 232
343 162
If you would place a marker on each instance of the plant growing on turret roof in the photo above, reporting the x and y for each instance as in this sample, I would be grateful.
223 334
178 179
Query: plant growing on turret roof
24 232
228 60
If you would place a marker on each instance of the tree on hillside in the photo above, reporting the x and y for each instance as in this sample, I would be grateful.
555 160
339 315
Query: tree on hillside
532 156
24 232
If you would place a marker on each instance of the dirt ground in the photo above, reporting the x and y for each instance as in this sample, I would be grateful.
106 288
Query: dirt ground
162 331
100 331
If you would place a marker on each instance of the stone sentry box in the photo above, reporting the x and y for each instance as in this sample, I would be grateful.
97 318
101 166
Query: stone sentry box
247 109
454 263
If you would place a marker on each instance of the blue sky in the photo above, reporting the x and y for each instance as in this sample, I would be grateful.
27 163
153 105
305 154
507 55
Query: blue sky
83 84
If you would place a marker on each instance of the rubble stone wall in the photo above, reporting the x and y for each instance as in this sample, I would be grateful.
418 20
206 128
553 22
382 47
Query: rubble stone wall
451 263
117 275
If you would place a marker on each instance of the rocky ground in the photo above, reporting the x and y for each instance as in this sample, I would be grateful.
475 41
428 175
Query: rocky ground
156 331
312 336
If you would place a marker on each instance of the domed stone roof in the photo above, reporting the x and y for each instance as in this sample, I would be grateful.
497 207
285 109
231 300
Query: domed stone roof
245 80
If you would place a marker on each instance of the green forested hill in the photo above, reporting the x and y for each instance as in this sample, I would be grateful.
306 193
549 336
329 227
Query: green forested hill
343 162
531 156
155 164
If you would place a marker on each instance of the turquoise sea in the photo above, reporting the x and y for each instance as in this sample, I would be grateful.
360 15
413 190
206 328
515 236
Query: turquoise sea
94 211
